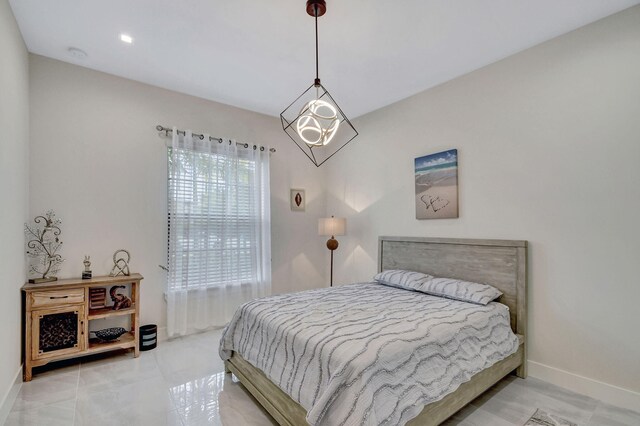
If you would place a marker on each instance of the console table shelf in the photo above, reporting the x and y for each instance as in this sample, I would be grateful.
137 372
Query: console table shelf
108 312
125 341
57 315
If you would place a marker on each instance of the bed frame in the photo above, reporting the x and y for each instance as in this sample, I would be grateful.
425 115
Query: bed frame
502 263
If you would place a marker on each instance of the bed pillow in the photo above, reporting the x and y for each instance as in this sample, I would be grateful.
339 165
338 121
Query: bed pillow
465 291
403 279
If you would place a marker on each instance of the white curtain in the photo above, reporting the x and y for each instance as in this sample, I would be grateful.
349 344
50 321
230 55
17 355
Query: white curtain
219 231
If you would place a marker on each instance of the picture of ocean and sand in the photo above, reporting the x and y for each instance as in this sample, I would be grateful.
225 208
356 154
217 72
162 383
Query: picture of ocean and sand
437 185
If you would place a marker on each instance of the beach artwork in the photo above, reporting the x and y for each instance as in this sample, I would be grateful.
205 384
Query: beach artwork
437 185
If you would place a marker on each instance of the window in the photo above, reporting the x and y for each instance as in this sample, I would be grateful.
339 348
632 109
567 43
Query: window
215 207
219 250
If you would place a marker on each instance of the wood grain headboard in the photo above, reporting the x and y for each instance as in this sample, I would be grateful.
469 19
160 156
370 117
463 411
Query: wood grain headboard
501 263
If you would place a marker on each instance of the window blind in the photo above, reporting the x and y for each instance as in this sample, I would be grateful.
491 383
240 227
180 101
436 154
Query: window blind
213 214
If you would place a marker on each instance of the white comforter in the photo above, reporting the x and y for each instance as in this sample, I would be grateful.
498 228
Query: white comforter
368 354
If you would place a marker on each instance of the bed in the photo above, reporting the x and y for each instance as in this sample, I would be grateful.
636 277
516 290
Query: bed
499 262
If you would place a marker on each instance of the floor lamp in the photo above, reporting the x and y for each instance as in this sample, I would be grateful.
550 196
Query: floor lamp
330 227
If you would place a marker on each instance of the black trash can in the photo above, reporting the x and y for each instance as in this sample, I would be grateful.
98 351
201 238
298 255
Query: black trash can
148 337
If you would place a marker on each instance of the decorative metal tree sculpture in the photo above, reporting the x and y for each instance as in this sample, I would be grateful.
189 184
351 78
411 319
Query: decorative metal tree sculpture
42 247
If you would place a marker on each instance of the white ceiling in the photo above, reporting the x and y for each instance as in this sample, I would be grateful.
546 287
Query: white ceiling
259 55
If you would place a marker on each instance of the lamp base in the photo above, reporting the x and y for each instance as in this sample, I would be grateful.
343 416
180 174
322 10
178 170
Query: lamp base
332 244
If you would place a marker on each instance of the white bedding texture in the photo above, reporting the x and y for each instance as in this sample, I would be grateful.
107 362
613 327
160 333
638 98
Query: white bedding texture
368 354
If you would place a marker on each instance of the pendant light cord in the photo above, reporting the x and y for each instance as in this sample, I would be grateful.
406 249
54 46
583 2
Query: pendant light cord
315 7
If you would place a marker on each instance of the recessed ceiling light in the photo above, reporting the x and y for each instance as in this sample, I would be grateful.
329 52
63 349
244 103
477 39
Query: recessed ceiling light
126 38
77 53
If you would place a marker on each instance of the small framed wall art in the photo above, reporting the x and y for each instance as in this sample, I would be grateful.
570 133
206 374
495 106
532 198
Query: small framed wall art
436 180
298 200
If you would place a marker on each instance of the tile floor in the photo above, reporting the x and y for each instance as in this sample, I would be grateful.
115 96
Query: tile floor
182 382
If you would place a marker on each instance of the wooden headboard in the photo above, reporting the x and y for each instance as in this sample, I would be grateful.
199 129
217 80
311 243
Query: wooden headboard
501 263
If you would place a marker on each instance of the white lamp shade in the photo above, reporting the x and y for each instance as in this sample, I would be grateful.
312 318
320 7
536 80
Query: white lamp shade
332 226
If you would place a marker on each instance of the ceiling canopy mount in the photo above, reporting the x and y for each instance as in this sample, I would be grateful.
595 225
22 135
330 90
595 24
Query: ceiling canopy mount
316 8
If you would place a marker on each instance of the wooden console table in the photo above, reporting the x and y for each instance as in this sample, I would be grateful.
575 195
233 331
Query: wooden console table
57 315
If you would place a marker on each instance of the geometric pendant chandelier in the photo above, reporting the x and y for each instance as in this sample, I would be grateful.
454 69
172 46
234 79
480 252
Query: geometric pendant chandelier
314 121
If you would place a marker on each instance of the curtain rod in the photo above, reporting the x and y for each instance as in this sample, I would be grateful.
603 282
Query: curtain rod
211 138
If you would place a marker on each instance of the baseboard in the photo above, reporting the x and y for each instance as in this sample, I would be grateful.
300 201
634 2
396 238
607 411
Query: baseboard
10 397
605 392
162 334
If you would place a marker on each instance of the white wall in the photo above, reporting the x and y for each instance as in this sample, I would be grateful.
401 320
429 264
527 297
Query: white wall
14 154
549 145
97 160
